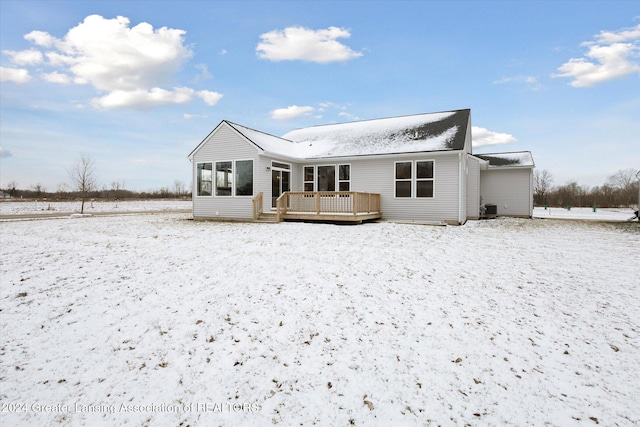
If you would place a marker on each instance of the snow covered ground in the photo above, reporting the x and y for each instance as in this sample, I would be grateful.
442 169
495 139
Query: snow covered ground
31 207
159 320
606 214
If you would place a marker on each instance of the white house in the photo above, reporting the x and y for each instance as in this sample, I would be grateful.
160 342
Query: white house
417 168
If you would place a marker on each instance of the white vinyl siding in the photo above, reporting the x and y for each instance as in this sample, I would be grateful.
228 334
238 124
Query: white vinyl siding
377 175
509 189
473 188
224 144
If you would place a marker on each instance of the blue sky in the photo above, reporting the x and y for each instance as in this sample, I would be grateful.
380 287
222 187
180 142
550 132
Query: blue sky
136 85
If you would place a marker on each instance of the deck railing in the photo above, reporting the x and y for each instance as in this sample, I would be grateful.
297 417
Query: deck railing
327 203
257 206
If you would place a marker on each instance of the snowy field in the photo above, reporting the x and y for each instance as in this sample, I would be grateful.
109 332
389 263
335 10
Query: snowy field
607 214
32 207
162 321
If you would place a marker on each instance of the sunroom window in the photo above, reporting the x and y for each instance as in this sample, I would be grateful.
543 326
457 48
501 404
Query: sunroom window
224 178
244 178
204 179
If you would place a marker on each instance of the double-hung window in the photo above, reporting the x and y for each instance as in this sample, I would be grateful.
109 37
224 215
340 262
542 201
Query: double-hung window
403 177
344 177
424 178
309 178
414 179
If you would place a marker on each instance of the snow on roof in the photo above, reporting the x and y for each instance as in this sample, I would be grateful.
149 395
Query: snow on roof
267 142
407 134
513 159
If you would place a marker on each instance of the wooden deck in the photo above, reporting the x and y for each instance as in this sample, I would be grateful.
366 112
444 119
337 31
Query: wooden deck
333 206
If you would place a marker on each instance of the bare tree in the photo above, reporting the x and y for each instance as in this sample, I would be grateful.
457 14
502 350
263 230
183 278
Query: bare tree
38 189
541 184
625 182
179 188
12 188
116 188
83 177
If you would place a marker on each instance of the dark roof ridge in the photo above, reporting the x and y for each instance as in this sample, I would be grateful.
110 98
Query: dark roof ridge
382 118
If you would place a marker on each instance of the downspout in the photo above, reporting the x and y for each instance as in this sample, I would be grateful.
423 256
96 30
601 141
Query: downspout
460 192
531 193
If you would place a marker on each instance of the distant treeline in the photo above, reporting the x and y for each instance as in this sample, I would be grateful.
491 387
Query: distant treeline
620 190
163 193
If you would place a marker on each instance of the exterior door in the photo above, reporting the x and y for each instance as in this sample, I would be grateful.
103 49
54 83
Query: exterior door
280 182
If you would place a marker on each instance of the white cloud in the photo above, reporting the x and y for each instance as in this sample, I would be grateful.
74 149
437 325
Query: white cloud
194 116
482 136
530 81
299 43
611 55
111 56
324 105
606 37
209 98
40 38
25 57
291 112
142 98
348 116
56 77
204 71
129 64
14 75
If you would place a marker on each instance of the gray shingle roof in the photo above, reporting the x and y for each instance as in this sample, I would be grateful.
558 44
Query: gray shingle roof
512 159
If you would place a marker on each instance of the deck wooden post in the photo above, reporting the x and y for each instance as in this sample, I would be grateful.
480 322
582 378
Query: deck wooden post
355 202
318 203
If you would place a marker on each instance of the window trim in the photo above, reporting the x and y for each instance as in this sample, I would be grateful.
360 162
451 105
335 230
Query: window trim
396 179
197 189
414 179
313 178
215 178
340 181
336 171
432 179
281 165
335 182
235 182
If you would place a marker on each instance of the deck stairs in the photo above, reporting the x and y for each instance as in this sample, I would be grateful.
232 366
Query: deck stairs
267 217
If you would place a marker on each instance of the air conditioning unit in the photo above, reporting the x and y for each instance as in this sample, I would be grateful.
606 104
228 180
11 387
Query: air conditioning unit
490 211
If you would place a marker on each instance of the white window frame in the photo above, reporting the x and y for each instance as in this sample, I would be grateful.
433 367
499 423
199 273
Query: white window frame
215 178
335 176
432 179
339 181
279 167
197 179
313 178
414 179
235 178
409 180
